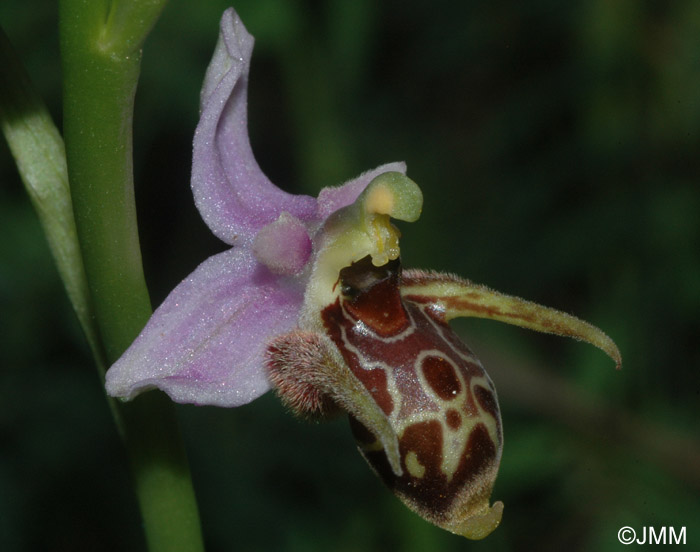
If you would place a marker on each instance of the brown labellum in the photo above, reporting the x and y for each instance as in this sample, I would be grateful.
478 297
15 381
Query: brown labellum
439 401
375 342
422 409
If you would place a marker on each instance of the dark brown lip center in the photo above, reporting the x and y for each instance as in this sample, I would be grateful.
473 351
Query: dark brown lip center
361 276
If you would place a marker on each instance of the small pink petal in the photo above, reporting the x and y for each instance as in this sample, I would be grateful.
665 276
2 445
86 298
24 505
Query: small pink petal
205 343
336 197
283 246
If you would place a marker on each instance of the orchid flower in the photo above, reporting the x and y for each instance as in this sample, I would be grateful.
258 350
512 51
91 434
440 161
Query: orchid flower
311 299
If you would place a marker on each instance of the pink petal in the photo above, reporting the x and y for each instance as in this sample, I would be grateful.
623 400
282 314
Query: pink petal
334 198
283 246
232 194
205 343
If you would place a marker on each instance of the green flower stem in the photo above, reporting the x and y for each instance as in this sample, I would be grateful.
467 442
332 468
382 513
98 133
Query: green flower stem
100 49
99 86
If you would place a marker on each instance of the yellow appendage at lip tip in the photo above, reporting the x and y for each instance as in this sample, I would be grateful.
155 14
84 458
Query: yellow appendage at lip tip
481 525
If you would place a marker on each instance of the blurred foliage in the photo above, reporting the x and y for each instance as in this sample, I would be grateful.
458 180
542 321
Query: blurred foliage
557 147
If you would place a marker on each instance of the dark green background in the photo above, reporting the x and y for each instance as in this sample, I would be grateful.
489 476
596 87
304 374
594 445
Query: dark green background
557 147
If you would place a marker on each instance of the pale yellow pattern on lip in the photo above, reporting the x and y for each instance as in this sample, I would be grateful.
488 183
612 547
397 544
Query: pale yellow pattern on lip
413 465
